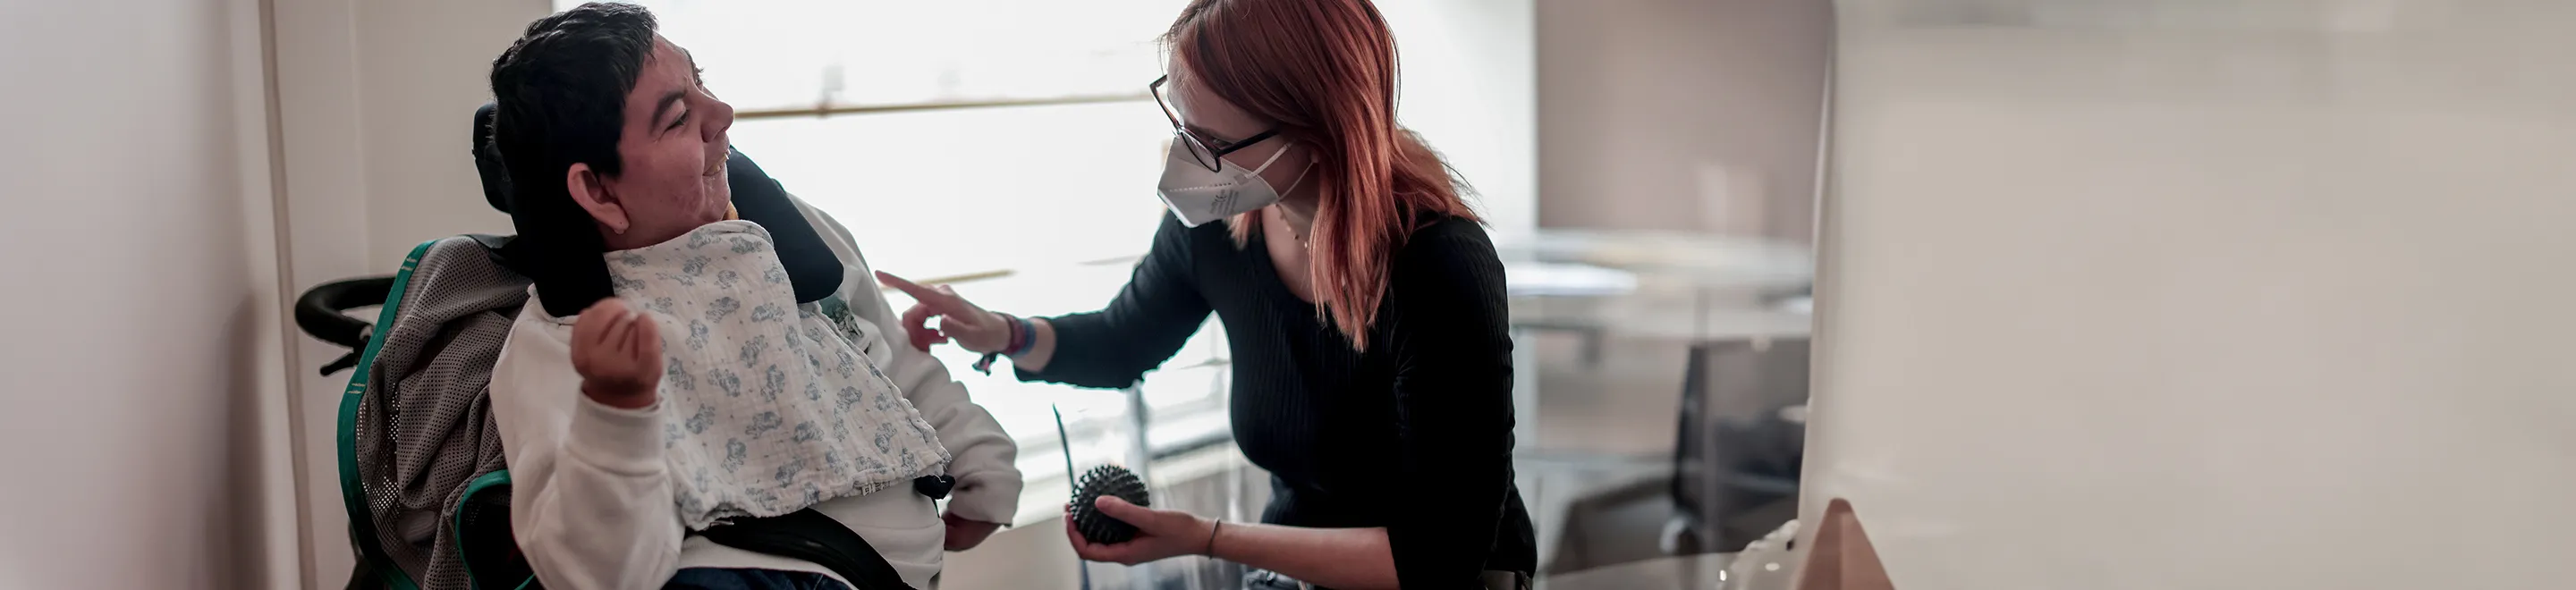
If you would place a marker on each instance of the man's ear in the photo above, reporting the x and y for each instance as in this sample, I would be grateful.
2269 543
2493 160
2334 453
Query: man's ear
589 190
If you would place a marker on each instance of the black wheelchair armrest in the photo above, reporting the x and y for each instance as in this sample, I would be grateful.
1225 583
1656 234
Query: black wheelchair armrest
321 311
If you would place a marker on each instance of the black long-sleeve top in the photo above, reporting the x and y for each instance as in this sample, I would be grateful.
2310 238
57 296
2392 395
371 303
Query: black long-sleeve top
1413 434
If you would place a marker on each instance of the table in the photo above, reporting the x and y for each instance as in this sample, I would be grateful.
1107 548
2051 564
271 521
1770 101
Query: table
1707 260
1684 285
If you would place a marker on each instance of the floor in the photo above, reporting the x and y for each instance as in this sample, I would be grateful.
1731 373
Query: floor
1595 477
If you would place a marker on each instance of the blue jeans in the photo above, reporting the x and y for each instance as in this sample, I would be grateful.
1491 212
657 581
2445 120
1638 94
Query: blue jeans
709 578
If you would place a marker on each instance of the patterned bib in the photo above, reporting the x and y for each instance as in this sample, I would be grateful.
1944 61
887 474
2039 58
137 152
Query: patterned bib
768 406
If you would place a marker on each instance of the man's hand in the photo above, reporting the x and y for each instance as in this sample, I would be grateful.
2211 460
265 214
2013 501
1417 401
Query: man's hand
965 533
618 353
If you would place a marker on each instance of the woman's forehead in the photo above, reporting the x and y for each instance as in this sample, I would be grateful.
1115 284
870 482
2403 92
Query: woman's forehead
1202 109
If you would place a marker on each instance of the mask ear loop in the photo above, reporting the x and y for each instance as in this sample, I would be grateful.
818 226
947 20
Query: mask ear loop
1301 179
1274 157
1265 164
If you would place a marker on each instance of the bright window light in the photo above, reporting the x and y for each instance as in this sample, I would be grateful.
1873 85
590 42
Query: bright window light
796 54
1055 185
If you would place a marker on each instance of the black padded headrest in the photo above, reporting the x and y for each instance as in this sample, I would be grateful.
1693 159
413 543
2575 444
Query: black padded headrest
487 161
811 267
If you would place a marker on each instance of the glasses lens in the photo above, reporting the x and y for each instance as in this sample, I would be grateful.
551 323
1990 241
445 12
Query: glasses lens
1166 104
1198 151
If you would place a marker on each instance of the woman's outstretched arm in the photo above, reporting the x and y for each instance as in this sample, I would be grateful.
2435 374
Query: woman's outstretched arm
1337 558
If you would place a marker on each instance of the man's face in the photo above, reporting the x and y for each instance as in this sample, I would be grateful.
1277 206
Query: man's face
673 148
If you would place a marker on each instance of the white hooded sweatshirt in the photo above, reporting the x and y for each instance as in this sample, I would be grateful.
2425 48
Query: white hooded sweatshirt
593 497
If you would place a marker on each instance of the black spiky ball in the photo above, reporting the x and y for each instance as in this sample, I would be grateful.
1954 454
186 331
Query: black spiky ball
1106 480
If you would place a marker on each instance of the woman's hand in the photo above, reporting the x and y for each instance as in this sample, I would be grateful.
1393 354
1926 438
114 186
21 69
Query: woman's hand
962 322
618 353
1160 534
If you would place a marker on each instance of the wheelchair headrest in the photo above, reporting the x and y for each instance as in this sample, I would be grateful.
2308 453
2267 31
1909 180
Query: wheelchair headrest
811 267
487 160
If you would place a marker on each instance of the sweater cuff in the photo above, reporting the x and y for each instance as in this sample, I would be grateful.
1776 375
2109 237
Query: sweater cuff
616 440
1069 347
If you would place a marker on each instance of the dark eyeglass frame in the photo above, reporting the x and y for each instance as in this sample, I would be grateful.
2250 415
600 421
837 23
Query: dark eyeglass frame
1209 157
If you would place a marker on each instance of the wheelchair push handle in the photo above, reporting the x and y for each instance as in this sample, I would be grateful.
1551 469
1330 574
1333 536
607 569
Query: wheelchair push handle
322 313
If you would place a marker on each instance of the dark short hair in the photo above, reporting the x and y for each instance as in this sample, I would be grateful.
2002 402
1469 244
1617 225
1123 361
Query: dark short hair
562 89
560 92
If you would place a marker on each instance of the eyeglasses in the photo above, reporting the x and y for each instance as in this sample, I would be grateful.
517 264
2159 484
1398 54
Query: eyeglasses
1199 149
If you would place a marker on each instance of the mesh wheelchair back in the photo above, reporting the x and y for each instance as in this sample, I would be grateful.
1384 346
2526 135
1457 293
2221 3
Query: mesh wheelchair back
421 464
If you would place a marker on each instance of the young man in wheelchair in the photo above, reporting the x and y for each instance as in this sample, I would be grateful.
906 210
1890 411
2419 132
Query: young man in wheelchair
684 406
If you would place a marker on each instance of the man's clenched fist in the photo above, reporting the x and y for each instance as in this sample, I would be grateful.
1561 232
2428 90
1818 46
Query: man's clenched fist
618 354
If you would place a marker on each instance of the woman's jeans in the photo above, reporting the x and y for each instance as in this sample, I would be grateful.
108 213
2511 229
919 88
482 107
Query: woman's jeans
710 578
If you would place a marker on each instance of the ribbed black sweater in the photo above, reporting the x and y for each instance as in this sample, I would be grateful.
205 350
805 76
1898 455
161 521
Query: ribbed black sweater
1414 434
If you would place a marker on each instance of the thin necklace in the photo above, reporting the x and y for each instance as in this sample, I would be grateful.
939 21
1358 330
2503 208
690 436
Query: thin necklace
1292 230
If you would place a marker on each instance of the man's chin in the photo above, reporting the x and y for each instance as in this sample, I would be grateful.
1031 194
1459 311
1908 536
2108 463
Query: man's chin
720 194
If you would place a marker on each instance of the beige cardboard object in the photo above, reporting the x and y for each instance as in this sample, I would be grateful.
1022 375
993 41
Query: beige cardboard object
1841 557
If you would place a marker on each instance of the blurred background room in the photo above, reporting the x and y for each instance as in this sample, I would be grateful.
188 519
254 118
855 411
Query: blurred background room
2117 293
1672 225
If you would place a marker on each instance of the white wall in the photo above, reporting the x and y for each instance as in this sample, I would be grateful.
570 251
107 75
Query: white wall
2202 294
1467 84
142 424
1695 115
376 98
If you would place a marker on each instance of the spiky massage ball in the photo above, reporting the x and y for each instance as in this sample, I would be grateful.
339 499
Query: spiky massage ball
1106 480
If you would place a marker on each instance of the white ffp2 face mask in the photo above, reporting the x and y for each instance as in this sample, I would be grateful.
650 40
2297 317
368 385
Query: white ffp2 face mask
1197 195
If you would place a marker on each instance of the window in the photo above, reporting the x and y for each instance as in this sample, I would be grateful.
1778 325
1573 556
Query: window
951 192
975 138
804 54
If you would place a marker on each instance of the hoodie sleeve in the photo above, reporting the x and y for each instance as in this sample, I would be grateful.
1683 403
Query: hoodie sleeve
590 500
981 455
